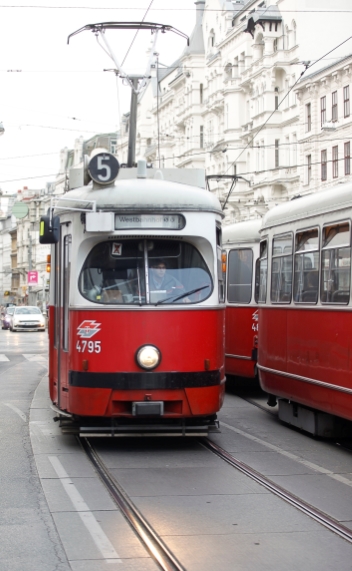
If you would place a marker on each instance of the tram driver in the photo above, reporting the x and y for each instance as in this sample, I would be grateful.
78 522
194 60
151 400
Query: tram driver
162 283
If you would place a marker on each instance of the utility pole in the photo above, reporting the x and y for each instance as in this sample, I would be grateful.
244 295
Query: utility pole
137 83
131 158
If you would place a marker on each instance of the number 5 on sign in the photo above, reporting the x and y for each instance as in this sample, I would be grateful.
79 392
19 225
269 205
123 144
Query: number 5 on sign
103 168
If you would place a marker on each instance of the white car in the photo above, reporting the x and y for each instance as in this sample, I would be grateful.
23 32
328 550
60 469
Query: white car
27 318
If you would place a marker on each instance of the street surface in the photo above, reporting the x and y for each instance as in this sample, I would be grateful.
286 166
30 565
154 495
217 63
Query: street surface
56 514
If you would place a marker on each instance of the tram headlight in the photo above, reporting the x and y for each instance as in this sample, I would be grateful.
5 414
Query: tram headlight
148 357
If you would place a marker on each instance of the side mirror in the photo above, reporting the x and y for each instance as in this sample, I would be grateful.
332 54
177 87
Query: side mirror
49 232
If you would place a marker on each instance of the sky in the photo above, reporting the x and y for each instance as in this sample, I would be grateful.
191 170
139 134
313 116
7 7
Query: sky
52 92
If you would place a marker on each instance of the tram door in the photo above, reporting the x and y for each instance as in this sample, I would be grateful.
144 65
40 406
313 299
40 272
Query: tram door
61 333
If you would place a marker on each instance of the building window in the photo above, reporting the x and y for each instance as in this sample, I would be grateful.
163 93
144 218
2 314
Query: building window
324 169
275 45
201 93
308 117
347 153
309 168
201 137
334 107
346 101
294 149
257 157
323 110
277 157
335 162
276 98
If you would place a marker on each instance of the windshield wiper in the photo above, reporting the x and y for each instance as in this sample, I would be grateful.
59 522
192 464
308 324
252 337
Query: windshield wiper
182 295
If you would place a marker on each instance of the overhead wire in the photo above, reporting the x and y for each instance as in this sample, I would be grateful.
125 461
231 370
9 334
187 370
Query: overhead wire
247 173
191 9
159 9
169 67
136 33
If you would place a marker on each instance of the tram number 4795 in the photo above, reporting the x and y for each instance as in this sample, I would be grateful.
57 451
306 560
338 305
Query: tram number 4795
89 346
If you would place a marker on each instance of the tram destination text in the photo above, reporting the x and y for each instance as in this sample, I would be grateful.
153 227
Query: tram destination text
171 221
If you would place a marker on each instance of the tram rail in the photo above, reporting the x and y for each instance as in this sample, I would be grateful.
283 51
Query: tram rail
160 553
311 511
148 536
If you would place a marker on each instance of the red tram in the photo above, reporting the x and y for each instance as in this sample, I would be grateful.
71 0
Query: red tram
241 242
137 313
305 341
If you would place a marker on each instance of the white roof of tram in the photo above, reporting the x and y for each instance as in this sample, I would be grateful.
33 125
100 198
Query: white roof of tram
247 231
142 195
332 200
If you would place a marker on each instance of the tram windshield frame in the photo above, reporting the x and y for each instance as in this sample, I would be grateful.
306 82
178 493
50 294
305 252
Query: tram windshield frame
144 271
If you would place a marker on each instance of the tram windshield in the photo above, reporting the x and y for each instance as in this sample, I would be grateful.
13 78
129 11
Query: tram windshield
155 272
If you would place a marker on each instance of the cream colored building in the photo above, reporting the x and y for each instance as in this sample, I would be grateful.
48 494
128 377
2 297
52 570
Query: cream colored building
325 126
229 105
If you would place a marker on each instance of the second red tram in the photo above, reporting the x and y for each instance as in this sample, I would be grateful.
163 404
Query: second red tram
241 243
137 309
305 310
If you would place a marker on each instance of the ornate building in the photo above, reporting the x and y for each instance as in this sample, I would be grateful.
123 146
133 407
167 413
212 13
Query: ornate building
228 103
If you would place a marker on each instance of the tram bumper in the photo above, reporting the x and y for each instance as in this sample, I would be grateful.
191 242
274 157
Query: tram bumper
162 395
124 427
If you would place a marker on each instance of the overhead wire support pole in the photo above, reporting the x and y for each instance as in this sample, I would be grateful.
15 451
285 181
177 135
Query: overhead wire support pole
131 157
137 83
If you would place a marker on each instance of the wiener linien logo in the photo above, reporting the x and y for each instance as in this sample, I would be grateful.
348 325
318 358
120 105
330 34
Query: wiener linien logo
88 329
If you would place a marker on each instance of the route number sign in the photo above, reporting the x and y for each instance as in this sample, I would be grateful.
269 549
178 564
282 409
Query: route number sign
103 168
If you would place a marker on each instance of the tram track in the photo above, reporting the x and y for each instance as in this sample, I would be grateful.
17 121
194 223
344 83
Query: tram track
152 541
144 531
309 510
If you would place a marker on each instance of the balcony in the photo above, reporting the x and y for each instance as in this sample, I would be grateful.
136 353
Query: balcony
215 102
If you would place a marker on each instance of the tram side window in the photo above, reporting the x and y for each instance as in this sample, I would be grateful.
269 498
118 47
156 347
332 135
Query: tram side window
145 271
263 272
336 264
281 269
306 276
239 285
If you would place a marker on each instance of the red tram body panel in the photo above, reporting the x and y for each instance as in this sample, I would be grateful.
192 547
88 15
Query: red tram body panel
193 331
241 341
137 309
241 242
305 341
315 352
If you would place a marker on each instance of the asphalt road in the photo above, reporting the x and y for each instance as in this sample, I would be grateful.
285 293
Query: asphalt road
29 540
56 515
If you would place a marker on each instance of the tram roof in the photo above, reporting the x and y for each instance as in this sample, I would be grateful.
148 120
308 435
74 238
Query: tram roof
141 195
332 200
247 231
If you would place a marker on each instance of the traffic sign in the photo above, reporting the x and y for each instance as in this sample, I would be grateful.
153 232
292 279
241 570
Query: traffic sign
20 210
32 277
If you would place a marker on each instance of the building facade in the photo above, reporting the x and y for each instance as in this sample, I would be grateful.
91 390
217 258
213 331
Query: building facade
229 103
325 126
